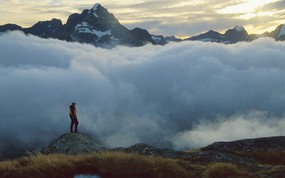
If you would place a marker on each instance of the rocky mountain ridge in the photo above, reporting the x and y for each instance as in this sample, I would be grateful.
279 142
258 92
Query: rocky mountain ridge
99 27
234 35
94 26
238 34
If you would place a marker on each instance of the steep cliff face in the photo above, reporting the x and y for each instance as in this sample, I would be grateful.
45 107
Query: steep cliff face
73 143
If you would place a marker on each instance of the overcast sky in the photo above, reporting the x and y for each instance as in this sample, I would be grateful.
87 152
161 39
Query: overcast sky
182 18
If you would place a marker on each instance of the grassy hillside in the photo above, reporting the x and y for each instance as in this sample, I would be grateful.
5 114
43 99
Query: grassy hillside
248 158
118 164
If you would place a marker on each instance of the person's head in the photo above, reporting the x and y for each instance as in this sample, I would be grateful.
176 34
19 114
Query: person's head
73 103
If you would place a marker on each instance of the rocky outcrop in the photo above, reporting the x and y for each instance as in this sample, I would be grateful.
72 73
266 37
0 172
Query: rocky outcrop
226 152
149 150
199 156
73 143
248 145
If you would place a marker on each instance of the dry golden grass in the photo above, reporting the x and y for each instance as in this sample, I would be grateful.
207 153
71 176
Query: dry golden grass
105 164
272 157
225 170
119 164
194 150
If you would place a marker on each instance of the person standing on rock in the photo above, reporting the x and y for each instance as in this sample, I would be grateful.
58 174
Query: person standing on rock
73 117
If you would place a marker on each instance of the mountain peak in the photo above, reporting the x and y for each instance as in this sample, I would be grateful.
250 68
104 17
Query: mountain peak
95 7
210 36
238 33
99 9
239 28
280 32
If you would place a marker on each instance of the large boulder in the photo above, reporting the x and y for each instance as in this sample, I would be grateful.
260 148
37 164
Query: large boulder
73 143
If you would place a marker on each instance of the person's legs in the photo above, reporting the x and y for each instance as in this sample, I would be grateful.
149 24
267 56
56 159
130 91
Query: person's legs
71 124
76 124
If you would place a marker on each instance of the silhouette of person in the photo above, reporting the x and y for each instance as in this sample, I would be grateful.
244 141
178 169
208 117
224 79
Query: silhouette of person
73 117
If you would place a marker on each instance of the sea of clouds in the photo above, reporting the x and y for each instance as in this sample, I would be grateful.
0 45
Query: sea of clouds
182 95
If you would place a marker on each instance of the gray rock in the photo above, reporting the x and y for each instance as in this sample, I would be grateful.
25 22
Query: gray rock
215 156
73 143
201 157
149 150
248 145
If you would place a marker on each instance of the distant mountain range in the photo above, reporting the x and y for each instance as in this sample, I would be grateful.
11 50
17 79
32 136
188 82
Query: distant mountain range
99 27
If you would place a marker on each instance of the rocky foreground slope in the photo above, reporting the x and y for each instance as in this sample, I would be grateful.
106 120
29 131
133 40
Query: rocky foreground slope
240 153
249 158
79 143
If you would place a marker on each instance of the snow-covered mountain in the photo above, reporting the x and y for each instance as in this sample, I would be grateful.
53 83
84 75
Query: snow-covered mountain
95 26
172 39
99 27
161 40
234 35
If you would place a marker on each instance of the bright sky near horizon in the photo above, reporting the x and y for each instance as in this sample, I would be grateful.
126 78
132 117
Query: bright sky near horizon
181 17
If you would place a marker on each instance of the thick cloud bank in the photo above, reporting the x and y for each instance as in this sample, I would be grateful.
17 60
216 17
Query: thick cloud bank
181 95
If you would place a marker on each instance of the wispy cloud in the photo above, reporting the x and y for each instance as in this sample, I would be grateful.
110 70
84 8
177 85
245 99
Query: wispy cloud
274 6
253 124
